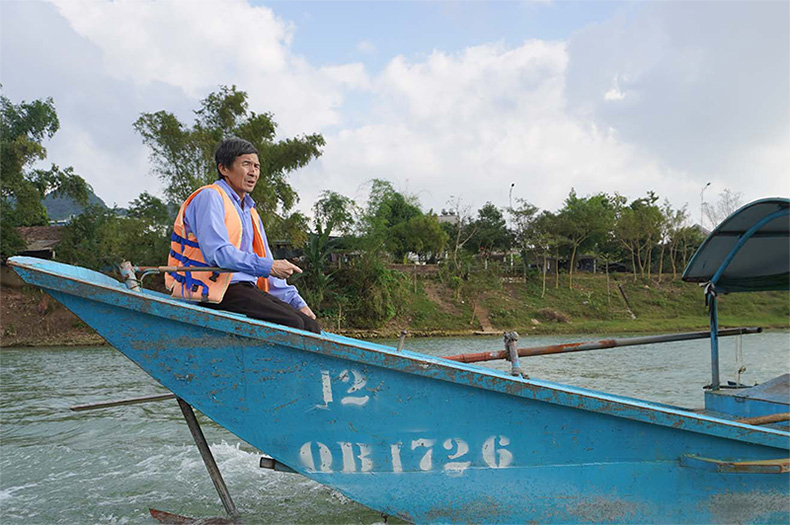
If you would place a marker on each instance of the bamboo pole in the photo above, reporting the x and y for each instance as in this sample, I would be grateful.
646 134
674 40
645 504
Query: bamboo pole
765 420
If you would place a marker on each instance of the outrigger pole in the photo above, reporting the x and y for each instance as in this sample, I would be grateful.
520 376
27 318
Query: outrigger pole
208 458
130 279
202 445
596 345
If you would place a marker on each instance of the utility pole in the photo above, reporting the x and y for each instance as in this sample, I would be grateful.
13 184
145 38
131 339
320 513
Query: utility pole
702 203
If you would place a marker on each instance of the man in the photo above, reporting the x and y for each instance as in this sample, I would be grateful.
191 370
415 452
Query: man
219 226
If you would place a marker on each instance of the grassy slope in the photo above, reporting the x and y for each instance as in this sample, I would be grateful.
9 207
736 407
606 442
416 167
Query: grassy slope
30 318
669 306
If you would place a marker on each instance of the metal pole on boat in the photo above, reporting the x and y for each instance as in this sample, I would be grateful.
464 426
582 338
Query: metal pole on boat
402 339
129 278
510 347
598 345
208 458
710 290
714 340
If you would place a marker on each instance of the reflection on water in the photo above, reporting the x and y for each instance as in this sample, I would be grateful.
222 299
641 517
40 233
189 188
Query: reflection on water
109 466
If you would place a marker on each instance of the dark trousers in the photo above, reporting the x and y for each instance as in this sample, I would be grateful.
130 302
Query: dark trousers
246 298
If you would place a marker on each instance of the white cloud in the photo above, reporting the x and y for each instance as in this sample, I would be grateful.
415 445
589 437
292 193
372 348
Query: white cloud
471 124
662 97
702 86
198 45
366 47
182 43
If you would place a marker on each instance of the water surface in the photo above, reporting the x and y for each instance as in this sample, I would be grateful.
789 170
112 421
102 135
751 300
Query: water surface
109 466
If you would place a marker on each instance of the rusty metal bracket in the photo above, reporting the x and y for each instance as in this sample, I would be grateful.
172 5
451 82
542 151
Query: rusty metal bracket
270 463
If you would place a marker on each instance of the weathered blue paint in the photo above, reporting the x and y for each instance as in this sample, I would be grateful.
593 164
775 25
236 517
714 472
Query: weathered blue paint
426 439
771 397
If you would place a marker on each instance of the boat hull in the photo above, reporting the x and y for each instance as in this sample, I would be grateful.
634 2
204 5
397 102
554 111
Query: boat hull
429 440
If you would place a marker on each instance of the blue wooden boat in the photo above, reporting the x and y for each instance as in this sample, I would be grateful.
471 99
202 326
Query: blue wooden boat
436 441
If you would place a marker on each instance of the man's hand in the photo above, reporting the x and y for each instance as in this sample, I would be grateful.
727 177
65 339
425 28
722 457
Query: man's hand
307 311
283 269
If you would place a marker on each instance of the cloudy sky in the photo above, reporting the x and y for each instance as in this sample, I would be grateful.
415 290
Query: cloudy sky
445 99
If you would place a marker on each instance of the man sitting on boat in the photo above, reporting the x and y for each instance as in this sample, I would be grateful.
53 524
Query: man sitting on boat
218 226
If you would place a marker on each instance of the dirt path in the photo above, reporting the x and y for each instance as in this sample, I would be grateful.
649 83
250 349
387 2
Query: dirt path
482 313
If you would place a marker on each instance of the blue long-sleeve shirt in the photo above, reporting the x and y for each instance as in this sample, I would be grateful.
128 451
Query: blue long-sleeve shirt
205 218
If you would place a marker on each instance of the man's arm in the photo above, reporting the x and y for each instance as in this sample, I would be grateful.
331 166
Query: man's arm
278 287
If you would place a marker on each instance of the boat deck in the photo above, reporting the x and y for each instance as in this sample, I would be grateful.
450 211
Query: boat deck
766 399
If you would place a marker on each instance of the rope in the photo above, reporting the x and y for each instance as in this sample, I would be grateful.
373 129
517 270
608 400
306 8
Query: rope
740 367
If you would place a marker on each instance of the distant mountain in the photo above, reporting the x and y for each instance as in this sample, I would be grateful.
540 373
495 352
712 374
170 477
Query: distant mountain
61 208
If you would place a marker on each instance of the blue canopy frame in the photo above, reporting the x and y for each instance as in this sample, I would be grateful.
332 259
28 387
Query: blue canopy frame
749 251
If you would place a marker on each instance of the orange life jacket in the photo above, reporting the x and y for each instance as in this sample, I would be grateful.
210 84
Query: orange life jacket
185 251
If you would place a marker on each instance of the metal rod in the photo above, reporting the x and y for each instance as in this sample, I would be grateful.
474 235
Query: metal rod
598 345
119 402
714 342
163 269
402 340
208 458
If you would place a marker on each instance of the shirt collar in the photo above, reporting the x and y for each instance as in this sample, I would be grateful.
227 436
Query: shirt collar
248 202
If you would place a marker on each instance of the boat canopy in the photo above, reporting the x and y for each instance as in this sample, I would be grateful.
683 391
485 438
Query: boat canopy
748 252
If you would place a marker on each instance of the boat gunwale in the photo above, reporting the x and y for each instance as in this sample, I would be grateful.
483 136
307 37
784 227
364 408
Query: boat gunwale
431 366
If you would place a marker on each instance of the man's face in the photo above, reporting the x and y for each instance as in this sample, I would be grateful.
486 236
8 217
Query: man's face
243 174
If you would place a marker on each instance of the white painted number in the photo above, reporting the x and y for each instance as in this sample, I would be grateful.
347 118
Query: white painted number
490 452
358 383
326 387
461 449
426 463
359 457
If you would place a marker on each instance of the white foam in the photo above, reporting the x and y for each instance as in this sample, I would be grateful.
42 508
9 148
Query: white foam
8 493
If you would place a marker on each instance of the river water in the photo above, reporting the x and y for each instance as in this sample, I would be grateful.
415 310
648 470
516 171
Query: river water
110 465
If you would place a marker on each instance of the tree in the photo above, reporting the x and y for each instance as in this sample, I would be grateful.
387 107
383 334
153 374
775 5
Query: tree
491 232
728 203
459 229
421 235
23 128
673 222
332 212
525 235
547 240
152 209
335 212
386 210
183 156
93 240
100 238
638 227
582 222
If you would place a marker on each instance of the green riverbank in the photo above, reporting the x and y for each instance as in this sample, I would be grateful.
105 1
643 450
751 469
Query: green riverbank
486 304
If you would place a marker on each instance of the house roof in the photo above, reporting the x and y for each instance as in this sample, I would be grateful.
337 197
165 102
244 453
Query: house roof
40 238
